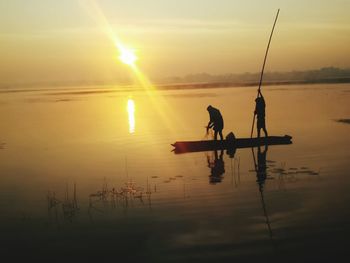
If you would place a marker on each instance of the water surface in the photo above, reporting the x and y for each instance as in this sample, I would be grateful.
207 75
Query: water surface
91 175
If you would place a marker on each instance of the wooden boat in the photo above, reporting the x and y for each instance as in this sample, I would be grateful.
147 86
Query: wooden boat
232 143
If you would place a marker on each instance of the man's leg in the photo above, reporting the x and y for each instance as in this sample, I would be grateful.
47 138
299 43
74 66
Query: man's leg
221 137
215 135
264 127
265 131
258 131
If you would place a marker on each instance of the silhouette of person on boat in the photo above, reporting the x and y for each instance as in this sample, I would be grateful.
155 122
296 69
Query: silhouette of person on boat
217 167
260 113
216 122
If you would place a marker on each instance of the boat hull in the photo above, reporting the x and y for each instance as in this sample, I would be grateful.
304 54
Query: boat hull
199 146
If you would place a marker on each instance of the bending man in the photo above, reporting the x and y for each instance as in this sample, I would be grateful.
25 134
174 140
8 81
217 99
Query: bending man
216 122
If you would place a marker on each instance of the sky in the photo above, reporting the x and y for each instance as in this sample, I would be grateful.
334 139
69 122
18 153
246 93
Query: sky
49 40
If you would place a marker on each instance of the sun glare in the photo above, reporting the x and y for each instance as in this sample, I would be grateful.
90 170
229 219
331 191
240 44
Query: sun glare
127 56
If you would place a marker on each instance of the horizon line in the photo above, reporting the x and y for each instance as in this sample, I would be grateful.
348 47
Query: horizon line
161 80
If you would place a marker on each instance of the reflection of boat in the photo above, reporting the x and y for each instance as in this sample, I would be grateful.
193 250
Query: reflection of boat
197 146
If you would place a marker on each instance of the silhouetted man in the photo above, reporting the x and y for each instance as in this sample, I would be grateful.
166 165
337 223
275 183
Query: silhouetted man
260 113
216 122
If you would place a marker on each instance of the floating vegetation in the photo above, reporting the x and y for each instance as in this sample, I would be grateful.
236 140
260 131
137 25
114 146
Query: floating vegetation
111 197
346 121
277 170
155 176
52 201
62 100
2 145
290 174
124 196
179 176
68 205
310 172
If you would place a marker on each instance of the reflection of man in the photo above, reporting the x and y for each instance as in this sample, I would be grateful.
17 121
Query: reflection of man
217 168
260 113
216 122
261 175
261 167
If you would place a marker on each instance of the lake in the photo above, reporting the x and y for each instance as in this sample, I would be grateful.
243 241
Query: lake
89 174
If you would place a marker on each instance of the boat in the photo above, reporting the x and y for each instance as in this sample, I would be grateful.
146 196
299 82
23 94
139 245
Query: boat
229 143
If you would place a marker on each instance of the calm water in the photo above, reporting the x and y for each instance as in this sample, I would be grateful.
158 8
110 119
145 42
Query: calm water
90 175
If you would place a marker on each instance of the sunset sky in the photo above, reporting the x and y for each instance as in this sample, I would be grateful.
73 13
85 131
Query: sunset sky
62 40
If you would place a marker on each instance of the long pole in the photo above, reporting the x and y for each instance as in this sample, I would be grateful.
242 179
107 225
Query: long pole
263 67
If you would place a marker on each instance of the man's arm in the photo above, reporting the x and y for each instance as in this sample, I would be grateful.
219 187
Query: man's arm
262 97
256 107
210 124
260 94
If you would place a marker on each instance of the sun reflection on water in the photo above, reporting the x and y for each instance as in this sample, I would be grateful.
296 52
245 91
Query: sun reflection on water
131 114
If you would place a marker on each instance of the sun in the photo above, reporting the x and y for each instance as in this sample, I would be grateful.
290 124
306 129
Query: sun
127 56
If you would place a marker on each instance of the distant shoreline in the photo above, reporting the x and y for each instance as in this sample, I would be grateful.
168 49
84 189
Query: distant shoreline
102 88
204 85
326 75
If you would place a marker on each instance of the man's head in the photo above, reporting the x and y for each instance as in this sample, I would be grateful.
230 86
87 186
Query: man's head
209 108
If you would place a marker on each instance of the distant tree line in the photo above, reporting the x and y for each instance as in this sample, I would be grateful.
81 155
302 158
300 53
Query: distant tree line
205 80
327 74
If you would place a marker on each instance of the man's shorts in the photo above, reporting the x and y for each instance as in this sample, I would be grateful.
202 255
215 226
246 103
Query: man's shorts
261 123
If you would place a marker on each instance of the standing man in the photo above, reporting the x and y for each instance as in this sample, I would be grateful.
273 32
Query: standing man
216 122
260 113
